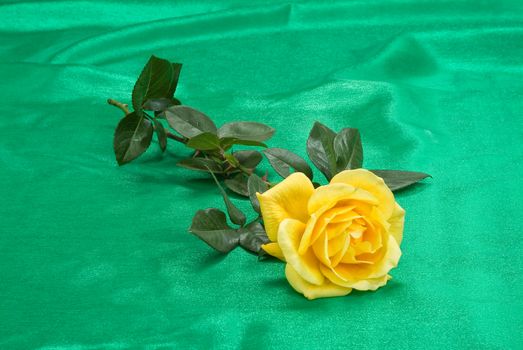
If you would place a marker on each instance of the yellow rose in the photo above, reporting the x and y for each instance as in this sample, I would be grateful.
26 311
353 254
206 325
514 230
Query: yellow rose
342 236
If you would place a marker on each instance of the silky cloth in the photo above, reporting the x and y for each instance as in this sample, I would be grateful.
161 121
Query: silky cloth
96 256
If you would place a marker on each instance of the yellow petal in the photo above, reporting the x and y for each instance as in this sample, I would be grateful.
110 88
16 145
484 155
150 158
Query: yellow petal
288 199
364 284
306 265
329 195
365 276
321 249
338 243
274 250
311 291
364 179
335 230
336 258
396 223
349 215
315 227
321 220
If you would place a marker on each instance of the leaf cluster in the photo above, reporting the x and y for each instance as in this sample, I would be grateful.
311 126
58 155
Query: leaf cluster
211 225
156 110
153 92
333 152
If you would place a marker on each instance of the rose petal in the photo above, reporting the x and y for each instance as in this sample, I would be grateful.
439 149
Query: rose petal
364 284
288 199
311 291
306 265
348 274
396 222
347 216
333 231
328 196
321 249
315 226
274 250
336 258
366 180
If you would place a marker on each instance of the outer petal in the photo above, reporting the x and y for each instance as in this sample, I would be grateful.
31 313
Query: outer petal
288 199
396 222
366 284
311 291
306 265
364 179
274 250
327 196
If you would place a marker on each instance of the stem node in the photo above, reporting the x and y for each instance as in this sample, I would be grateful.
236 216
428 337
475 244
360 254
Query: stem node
123 106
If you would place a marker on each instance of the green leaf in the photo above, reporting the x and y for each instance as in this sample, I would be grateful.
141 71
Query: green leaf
320 148
201 164
158 104
188 121
398 179
348 149
248 159
210 225
246 131
160 133
256 184
228 142
158 79
283 160
252 237
132 137
205 142
238 184
235 214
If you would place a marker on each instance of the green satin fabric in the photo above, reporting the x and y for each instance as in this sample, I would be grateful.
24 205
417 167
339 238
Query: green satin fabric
96 256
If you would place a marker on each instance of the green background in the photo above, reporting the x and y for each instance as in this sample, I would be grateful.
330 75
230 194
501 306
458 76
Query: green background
96 256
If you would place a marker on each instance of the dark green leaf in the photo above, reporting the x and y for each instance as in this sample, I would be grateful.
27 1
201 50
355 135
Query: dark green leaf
204 142
348 149
398 179
188 121
160 133
132 137
320 148
158 104
228 142
158 79
232 161
238 184
210 225
256 184
248 159
160 113
235 214
283 161
201 164
252 237
246 131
